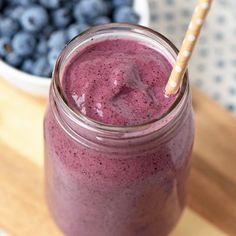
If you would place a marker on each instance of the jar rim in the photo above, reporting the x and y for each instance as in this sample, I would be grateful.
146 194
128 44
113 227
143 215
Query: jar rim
92 124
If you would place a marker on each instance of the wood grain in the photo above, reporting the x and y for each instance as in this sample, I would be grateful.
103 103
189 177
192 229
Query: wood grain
211 207
21 118
212 188
22 206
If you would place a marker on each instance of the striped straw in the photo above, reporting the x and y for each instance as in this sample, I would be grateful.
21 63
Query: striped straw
193 32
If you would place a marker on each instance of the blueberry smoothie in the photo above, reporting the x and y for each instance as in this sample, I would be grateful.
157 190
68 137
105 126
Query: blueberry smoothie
117 151
118 82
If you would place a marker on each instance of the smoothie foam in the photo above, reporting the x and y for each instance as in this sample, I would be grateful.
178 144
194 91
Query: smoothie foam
118 82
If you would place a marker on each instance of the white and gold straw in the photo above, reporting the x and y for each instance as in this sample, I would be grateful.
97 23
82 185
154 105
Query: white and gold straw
192 34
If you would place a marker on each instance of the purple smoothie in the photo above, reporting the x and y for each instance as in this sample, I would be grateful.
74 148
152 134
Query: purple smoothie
101 189
118 82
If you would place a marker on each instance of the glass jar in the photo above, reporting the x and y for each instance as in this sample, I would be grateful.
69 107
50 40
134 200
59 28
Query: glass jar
106 180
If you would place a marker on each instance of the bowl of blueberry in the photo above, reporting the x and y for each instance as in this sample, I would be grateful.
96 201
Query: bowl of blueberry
33 32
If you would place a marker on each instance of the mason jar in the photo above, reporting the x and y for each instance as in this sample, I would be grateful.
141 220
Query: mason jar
104 180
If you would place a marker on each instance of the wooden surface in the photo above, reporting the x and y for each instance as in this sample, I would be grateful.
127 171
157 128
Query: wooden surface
211 207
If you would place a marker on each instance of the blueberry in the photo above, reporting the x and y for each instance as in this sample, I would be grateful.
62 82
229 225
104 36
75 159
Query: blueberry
101 20
52 56
118 3
24 43
42 47
8 27
34 18
76 29
47 31
109 5
93 8
41 67
125 14
78 15
14 59
5 46
22 2
27 2
16 12
50 4
69 5
57 39
36 56
11 2
27 65
7 12
61 18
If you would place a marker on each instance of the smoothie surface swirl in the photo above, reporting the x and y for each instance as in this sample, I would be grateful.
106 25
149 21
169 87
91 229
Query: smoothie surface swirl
118 82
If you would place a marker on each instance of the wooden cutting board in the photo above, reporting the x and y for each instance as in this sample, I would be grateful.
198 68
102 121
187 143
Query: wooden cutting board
211 207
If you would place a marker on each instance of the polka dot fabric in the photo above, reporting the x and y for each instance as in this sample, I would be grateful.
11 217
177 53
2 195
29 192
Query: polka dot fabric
213 65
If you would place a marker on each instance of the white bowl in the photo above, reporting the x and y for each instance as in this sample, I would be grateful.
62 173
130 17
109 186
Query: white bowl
39 86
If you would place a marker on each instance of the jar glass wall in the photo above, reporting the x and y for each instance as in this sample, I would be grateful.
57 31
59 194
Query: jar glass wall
106 180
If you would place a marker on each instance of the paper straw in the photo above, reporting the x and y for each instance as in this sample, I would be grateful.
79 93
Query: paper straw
192 34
